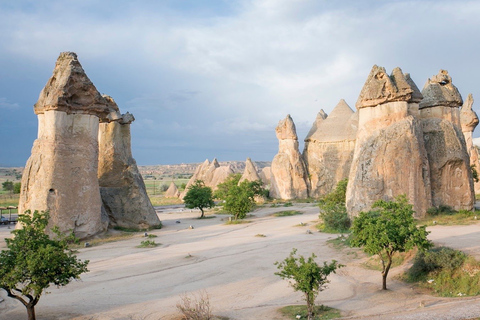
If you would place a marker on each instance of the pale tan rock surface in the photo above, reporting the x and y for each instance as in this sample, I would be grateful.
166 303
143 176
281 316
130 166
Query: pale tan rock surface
329 148
61 174
250 173
469 121
389 158
266 175
289 179
451 176
172 191
122 189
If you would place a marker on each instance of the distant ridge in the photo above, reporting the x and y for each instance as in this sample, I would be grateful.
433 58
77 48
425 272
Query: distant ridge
189 168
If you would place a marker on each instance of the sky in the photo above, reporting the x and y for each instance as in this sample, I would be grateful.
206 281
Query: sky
212 78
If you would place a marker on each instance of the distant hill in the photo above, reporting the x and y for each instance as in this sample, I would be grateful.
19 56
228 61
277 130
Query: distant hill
189 168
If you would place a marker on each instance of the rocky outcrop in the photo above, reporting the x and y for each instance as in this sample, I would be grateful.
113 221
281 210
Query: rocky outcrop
172 191
250 173
450 171
289 179
61 174
266 175
389 157
469 121
329 148
123 192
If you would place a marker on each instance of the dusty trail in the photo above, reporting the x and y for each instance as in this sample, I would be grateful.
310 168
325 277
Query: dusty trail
236 268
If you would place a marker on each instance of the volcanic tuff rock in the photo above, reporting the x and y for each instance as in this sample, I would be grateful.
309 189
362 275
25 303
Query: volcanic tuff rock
329 148
289 178
469 120
452 183
250 172
266 175
172 191
389 157
123 192
61 173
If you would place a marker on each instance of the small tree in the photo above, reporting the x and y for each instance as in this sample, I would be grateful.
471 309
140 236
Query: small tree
7 186
17 187
306 276
199 196
333 211
388 229
33 261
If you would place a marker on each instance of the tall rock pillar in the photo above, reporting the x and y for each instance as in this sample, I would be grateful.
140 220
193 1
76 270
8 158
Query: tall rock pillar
122 189
389 157
469 121
289 179
61 174
450 172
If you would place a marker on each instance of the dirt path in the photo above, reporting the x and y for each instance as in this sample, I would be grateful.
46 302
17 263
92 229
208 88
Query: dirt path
236 267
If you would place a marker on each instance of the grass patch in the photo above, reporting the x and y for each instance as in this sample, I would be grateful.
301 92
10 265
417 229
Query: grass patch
340 242
448 218
301 224
160 200
148 244
237 222
152 236
260 235
322 312
123 229
106 239
287 204
287 213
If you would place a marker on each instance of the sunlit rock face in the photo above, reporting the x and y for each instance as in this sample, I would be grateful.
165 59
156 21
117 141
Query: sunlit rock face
289 179
172 191
329 147
469 121
122 189
250 173
390 157
450 172
61 174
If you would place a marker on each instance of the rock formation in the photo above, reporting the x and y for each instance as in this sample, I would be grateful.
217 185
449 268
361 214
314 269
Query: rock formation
329 148
250 173
172 191
289 179
266 175
389 157
61 174
123 192
450 171
469 120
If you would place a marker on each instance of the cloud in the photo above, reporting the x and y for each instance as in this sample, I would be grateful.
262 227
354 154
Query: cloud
4 103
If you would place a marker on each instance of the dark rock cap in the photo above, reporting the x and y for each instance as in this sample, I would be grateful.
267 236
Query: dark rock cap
440 91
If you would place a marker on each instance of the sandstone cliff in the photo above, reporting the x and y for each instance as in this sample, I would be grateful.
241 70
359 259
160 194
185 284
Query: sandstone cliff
122 189
289 179
389 157
329 148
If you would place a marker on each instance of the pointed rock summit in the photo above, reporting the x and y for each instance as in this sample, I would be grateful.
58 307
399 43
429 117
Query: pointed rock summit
440 91
250 173
289 179
172 191
320 117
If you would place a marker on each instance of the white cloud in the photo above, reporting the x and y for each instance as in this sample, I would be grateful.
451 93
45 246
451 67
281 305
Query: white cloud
4 103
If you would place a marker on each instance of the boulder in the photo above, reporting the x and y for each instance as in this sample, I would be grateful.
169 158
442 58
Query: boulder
389 157
289 179
469 121
250 173
329 148
122 188
61 174
450 172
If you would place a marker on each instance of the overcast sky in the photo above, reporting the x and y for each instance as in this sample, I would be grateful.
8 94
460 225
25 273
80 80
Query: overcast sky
212 78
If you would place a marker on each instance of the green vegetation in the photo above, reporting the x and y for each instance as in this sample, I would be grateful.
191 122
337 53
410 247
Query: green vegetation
387 230
199 196
287 213
321 312
148 244
237 222
306 276
239 197
260 235
444 215
287 204
445 271
375 263
7 186
33 261
333 211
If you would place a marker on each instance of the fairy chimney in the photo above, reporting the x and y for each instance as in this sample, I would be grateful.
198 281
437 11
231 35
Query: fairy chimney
469 120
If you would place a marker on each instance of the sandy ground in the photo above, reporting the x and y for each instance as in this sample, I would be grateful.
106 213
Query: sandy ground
236 268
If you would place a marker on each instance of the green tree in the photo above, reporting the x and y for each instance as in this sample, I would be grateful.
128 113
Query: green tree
307 276
199 196
239 197
17 187
389 229
7 186
33 261
333 211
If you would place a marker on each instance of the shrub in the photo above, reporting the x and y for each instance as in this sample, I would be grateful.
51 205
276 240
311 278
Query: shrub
442 209
333 211
195 307
148 244
435 259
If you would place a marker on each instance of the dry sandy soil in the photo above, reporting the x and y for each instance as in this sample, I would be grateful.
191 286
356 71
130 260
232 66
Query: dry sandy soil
236 268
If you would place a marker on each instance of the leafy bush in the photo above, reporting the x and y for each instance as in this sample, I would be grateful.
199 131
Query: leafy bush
287 204
333 211
148 244
435 259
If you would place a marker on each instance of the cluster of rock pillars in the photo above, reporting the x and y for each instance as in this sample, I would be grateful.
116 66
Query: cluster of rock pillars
399 141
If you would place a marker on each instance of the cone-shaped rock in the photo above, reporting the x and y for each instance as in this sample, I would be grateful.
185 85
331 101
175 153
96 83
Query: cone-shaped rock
320 117
389 157
329 149
211 173
266 175
123 192
469 121
450 172
289 178
172 191
61 174
250 173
